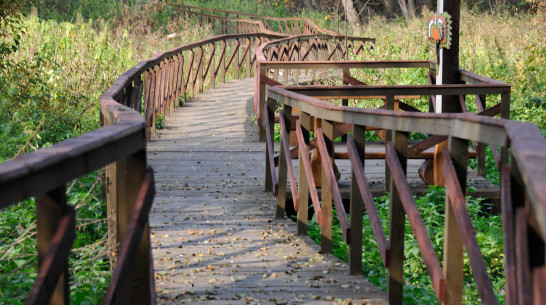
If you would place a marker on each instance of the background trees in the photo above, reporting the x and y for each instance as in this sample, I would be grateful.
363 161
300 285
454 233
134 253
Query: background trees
358 11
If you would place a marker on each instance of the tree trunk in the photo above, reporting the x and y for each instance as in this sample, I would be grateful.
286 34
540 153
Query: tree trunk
411 7
389 7
404 8
350 11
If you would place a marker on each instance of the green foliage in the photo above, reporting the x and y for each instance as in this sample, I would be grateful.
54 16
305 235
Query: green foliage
69 10
514 54
88 262
418 287
42 101
160 122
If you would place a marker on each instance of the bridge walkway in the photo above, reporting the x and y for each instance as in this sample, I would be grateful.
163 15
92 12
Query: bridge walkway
213 232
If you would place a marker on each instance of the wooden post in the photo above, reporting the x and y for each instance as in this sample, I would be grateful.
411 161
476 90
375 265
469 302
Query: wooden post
505 114
453 243
345 102
269 184
124 180
223 63
448 73
388 137
248 59
200 78
397 222
281 196
357 206
303 190
212 70
326 205
237 60
261 101
49 210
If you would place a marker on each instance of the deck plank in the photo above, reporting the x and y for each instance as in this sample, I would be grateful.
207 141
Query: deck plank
214 236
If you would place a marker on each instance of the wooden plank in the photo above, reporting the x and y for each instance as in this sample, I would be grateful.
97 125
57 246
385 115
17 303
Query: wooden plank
396 220
367 198
54 264
46 169
462 217
356 200
305 121
309 175
429 142
285 146
539 282
509 237
417 224
271 183
453 243
213 232
327 129
523 268
131 241
334 189
283 168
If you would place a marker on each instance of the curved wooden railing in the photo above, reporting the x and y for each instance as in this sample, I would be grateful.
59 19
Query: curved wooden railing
155 86
226 22
523 161
129 109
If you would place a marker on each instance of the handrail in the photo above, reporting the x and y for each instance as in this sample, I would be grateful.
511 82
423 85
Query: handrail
313 28
528 163
151 87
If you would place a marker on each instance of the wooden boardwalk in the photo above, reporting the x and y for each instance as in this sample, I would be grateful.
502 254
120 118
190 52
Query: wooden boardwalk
214 237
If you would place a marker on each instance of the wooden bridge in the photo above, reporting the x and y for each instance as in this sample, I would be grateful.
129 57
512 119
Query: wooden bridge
214 236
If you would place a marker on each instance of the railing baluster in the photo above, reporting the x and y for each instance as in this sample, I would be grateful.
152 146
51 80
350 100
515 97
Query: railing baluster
397 221
357 203
453 243
286 113
271 184
51 286
303 125
137 231
50 208
327 128
199 76
509 236
285 147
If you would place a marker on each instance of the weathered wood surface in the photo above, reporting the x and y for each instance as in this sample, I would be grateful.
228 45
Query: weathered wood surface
214 236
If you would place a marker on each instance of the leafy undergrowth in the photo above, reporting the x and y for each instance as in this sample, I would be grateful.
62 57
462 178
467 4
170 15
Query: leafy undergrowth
418 287
51 77
500 46
88 264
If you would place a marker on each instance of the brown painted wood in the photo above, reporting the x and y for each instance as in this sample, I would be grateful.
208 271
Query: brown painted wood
51 285
333 187
458 203
285 146
395 282
507 208
539 282
129 247
356 199
284 163
523 268
367 198
309 175
327 129
417 224
271 183
303 123
50 210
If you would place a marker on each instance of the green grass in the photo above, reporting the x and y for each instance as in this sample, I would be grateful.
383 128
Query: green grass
418 287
